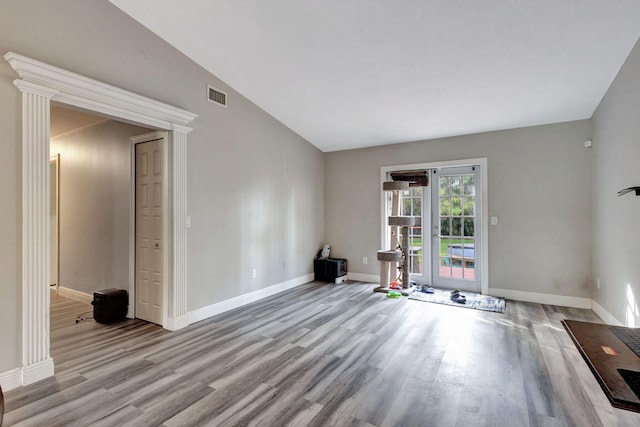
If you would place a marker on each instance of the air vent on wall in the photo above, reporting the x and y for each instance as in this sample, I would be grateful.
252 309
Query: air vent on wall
216 96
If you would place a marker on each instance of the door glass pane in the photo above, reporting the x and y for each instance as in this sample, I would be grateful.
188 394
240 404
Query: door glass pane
456 206
469 224
456 226
416 208
445 258
412 206
456 185
445 188
445 226
468 206
445 206
457 232
469 185
415 250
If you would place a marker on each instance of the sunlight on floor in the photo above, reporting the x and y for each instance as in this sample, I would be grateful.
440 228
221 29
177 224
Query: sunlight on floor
503 322
554 327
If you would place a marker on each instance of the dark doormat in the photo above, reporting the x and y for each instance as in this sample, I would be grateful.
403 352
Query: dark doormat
475 301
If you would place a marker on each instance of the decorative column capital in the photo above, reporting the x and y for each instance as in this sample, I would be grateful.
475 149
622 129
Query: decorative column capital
34 88
180 129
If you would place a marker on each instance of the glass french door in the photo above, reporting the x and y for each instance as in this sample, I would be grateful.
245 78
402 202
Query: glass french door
413 203
455 225
445 246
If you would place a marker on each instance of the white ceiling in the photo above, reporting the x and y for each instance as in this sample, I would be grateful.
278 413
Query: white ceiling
354 73
64 120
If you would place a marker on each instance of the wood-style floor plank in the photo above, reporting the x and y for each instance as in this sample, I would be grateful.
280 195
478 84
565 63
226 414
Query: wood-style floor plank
318 355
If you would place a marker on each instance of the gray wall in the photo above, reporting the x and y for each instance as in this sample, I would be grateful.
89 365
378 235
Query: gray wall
259 205
10 216
95 192
539 187
254 186
616 165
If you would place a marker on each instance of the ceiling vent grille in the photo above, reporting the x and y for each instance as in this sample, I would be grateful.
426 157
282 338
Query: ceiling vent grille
216 96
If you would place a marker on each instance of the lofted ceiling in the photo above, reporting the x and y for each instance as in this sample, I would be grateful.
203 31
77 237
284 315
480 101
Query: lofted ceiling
353 73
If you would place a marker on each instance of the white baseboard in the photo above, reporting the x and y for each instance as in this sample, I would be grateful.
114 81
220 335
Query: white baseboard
360 277
79 296
549 299
11 379
38 371
230 304
564 301
604 314
175 323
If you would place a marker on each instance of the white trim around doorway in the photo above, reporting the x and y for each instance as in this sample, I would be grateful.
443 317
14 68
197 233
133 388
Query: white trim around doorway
41 84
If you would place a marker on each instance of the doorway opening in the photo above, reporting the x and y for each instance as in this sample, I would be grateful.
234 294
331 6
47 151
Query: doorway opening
96 246
448 245
40 84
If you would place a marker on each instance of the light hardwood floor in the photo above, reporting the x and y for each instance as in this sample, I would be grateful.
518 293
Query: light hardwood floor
321 354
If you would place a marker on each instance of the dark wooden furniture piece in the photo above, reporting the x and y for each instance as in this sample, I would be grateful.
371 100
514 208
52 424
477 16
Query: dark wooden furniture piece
605 353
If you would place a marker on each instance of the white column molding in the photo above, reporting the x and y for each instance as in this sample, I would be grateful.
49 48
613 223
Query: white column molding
177 317
41 83
84 92
36 361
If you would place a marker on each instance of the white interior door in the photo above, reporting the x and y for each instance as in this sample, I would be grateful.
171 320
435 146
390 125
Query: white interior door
149 246
456 228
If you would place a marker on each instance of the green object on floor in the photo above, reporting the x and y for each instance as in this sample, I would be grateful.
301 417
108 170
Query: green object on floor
393 294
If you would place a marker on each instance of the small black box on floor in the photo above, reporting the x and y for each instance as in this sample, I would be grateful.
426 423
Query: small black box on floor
110 305
330 269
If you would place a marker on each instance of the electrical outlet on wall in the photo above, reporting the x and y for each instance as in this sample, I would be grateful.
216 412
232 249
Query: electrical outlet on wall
254 273
598 283
365 260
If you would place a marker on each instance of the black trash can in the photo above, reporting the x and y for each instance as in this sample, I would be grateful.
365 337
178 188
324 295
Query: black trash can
110 305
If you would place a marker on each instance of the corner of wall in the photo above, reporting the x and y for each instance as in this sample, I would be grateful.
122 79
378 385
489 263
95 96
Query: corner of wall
72 294
604 314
